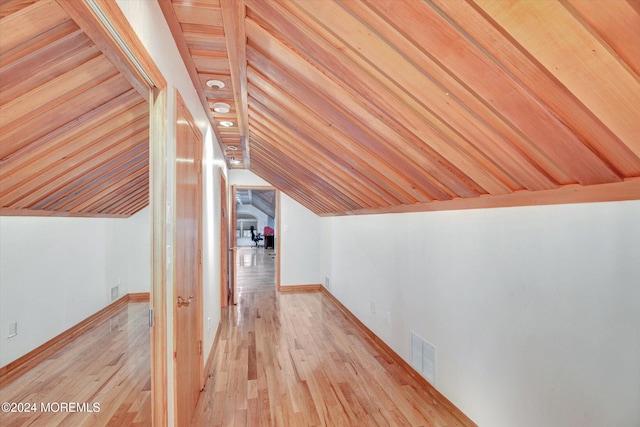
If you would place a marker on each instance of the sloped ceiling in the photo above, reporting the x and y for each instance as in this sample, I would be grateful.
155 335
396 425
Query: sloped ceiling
74 133
348 107
389 105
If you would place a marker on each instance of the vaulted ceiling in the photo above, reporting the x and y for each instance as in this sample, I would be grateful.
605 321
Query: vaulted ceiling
74 133
388 105
348 107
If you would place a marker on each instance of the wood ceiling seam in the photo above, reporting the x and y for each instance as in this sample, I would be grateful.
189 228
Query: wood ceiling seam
312 162
630 61
464 130
481 178
526 70
135 189
295 174
68 166
518 105
355 165
136 207
417 182
319 187
491 132
65 134
42 65
10 7
199 14
356 153
30 22
420 156
583 66
316 161
35 43
70 191
133 169
55 92
50 120
108 202
268 175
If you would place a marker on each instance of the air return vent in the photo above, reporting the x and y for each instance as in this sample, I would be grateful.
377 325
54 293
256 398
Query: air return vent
423 357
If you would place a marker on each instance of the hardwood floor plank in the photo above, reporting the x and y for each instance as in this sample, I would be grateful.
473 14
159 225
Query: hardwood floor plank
296 359
108 365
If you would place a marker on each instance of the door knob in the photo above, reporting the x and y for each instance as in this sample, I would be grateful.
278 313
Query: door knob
185 302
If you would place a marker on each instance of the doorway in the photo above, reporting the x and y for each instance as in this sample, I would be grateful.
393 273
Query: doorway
255 237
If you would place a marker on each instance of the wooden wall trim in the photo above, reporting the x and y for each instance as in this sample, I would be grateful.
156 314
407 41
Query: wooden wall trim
388 351
87 20
629 189
139 297
18 367
158 198
300 288
208 367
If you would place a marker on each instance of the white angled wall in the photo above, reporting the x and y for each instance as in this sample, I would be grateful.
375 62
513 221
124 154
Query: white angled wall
300 246
56 272
534 311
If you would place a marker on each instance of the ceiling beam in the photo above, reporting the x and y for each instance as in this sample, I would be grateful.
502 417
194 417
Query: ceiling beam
233 14
109 29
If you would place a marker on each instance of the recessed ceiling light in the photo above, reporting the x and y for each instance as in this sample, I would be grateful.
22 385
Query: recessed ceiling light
215 84
221 107
232 147
234 161
226 123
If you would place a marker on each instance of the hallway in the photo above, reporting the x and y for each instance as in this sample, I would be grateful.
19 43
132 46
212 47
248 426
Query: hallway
294 359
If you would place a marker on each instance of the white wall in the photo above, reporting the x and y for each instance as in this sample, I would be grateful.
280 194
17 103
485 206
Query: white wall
534 311
300 246
56 272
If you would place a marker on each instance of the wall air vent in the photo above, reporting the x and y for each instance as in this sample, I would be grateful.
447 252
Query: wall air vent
423 357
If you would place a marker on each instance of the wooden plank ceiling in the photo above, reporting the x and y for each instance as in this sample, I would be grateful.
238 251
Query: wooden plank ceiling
74 133
348 107
388 105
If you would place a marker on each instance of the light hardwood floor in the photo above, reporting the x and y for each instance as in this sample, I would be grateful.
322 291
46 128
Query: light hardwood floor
283 359
255 269
294 359
109 365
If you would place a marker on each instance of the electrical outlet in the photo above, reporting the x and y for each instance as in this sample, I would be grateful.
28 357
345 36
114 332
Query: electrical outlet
209 323
373 307
327 283
114 293
388 317
13 329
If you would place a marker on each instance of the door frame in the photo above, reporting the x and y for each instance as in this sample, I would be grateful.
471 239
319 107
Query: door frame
225 248
233 241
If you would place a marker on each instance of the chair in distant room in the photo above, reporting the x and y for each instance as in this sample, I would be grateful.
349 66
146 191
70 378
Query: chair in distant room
256 237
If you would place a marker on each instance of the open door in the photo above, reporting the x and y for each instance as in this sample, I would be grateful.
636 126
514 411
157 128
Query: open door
188 266
255 225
